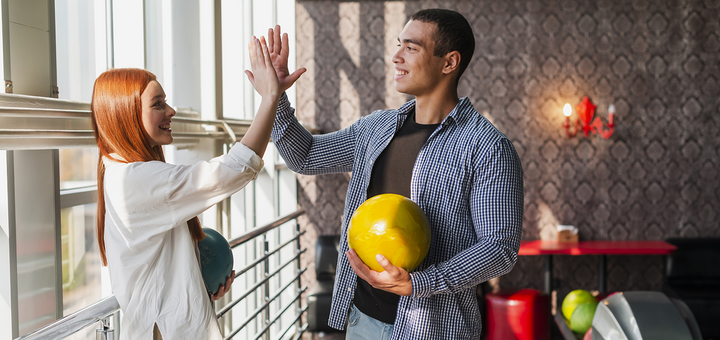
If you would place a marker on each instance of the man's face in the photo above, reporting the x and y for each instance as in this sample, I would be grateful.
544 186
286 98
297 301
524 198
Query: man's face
417 70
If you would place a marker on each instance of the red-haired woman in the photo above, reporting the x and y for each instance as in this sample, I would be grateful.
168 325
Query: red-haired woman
147 221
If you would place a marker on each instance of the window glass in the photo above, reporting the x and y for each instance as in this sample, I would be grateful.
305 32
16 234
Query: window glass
81 265
78 168
81 48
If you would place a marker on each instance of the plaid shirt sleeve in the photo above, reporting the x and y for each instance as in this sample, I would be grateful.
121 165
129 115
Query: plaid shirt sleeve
496 206
307 154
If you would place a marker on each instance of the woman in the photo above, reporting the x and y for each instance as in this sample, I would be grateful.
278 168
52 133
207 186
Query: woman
147 221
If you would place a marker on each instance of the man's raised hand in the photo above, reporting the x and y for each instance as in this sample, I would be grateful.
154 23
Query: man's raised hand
279 51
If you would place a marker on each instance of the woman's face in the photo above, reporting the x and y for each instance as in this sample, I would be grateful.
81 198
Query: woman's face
156 114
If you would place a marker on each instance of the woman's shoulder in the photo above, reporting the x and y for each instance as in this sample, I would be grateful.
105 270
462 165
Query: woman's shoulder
149 177
140 169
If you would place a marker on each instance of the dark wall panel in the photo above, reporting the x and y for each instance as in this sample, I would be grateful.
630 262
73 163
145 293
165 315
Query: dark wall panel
657 61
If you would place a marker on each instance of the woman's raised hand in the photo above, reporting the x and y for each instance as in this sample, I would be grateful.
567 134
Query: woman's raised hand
263 76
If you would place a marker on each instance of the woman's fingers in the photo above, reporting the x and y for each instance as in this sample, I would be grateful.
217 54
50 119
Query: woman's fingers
224 288
266 54
253 53
263 75
219 294
259 59
230 279
251 77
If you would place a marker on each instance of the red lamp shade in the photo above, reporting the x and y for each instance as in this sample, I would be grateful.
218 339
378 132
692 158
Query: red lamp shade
586 111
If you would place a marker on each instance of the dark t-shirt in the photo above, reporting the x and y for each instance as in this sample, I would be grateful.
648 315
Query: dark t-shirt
391 174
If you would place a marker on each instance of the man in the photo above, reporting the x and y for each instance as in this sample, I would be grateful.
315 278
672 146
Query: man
437 150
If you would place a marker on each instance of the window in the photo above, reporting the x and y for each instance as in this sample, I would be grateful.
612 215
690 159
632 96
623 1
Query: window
90 37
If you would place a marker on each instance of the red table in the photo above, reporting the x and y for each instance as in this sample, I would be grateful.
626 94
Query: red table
601 248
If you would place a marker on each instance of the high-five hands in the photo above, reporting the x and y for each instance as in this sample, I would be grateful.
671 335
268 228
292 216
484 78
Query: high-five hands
263 76
393 279
279 52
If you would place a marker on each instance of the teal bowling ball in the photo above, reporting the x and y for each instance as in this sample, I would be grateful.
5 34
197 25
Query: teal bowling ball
216 259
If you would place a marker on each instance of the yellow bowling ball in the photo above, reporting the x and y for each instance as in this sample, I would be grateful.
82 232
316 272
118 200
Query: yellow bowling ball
391 225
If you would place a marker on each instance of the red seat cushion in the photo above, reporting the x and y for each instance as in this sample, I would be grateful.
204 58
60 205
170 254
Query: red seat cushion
517 314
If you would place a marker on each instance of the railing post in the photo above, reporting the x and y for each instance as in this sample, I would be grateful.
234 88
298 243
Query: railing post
105 332
266 293
298 270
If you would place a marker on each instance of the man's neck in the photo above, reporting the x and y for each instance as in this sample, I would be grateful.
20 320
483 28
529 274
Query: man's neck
434 107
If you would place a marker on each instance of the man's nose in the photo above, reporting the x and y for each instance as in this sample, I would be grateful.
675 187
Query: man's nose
396 59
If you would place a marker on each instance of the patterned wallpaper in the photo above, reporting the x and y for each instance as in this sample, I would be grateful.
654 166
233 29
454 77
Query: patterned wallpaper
656 61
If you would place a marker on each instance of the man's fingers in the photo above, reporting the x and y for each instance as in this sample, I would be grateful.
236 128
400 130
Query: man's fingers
358 266
285 52
384 262
390 269
277 47
271 40
292 78
393 279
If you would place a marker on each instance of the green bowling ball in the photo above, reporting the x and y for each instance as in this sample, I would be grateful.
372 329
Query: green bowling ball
216 259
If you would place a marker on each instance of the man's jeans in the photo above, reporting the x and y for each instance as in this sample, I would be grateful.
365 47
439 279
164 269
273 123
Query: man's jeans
363 327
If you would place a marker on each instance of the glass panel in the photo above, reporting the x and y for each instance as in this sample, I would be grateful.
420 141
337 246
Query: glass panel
81 48
81 265
78 167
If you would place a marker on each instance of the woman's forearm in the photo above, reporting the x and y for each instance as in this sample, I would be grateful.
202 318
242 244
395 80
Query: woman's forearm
257 136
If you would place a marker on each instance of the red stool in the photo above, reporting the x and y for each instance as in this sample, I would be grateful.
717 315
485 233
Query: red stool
517 315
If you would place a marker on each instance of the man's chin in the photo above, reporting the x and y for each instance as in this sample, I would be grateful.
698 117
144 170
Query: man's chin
402 90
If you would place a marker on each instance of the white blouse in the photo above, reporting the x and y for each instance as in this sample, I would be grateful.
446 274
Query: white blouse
154 269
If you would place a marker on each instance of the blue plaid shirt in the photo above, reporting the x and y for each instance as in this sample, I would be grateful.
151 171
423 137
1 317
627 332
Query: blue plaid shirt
468 180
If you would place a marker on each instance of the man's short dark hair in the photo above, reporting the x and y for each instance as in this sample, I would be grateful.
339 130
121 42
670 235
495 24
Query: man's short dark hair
453 33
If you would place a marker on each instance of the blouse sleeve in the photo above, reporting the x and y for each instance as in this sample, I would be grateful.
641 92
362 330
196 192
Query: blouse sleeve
152 197
195 188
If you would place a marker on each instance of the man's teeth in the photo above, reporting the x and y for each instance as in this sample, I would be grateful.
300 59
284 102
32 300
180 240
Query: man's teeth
400 73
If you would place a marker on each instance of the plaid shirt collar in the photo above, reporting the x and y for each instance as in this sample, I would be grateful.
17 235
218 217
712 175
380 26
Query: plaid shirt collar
460 112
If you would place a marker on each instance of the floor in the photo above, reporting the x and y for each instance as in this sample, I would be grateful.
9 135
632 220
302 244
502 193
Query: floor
328 336
555 335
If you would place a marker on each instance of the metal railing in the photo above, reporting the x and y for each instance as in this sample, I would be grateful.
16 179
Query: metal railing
28 122
108 308
100 311
264 286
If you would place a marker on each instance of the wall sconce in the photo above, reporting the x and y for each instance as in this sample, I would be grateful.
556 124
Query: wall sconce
586 111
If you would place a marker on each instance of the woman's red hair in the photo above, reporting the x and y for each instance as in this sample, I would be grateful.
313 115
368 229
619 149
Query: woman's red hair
117 123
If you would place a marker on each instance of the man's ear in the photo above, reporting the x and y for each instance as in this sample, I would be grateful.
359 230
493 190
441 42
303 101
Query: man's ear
452 62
